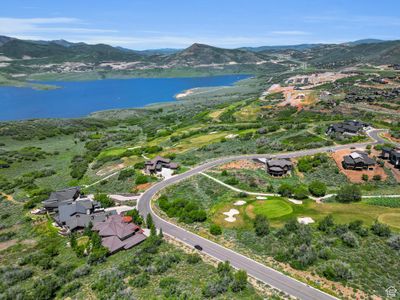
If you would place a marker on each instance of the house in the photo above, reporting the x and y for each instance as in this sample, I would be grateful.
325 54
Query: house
62 196
155 165
80 213
393 155
117 234
348 128
358 160
278 167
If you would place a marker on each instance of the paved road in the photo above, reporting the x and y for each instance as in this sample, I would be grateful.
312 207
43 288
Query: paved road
263 273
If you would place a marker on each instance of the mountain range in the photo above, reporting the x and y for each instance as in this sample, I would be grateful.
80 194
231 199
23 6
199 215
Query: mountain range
59 51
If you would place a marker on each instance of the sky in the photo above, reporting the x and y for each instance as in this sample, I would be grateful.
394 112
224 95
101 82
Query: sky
150 24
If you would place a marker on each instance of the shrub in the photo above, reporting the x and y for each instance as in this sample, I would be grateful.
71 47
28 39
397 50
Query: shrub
12 275
70 288
377 177
231 181
193 258
140 281
127 173
261 225
326 223
141 179
337 271
97 255
349 193
136 217
394 242
303 256
167 282
139 165
213 289
104 200
46 287
365 177
285 190
300 193
239 282
350 239
317 188
215 229
380 229
81 271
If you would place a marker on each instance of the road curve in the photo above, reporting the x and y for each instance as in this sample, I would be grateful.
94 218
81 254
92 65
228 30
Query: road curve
263 273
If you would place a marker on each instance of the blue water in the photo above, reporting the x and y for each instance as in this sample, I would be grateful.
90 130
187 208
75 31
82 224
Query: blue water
80 98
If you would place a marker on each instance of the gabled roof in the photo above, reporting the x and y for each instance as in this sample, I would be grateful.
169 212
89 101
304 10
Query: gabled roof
115 226
359 157
279 163
112 243
134 240
64 195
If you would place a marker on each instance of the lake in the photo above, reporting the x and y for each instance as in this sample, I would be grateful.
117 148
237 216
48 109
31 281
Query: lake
80 98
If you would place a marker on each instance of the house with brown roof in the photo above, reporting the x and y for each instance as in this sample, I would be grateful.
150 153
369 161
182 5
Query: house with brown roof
117 234
156 165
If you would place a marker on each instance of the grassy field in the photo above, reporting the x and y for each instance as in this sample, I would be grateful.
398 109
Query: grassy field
218 199
284 244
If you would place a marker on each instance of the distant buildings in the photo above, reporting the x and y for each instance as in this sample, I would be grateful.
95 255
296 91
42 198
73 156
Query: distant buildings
278 167
118 233
348 128
393 155
358 160
156 165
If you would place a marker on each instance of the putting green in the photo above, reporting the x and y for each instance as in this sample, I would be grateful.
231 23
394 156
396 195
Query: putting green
391 219
272 208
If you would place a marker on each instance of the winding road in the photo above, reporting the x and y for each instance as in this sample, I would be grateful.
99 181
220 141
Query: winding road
255 269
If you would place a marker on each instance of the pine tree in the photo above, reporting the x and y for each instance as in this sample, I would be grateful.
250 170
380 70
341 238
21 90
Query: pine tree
149 221
153 231
161 235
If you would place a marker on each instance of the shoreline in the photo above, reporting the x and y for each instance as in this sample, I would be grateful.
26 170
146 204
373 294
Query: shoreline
152 105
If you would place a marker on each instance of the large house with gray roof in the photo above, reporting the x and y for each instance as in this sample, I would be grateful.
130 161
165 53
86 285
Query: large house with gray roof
278 167
80 213
392 154
117 234
358 160
352 127
57 198
156 164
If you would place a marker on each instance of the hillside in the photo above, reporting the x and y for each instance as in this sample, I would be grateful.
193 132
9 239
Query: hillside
344 54
63 51
23 60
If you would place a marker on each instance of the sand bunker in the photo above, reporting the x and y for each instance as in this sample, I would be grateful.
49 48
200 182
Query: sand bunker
305 220
231 213
239 203
261 198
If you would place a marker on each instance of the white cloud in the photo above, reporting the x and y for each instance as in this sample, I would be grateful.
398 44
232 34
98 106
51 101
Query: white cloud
19 27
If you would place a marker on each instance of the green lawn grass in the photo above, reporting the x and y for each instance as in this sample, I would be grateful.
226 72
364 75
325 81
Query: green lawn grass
273 208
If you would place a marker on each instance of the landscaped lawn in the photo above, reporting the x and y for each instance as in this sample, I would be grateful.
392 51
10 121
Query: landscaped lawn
279 210
272 209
